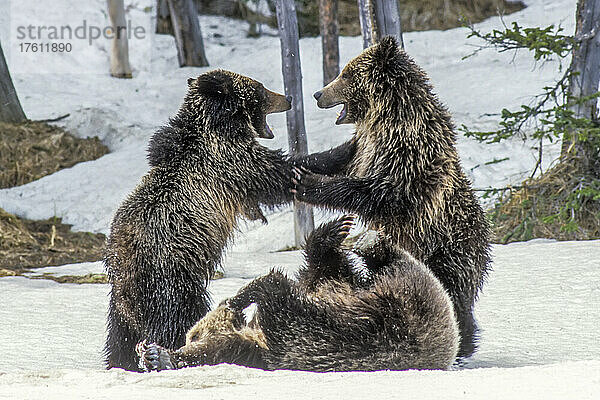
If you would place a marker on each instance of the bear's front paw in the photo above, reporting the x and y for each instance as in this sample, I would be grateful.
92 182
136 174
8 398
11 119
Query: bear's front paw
153 357
344 224
306 182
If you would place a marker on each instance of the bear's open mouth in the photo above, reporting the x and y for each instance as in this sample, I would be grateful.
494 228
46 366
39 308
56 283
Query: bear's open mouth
342 114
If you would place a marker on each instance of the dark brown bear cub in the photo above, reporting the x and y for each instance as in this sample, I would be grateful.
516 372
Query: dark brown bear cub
167 238
386 311
401 173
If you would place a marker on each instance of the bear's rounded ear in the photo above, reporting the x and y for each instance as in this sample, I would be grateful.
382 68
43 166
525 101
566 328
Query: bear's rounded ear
190 81
388 46
214 85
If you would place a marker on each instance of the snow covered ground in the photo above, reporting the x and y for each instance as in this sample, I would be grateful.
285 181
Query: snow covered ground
540 312
539 315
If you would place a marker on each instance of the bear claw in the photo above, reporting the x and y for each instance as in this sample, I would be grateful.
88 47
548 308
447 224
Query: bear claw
153 357
347 222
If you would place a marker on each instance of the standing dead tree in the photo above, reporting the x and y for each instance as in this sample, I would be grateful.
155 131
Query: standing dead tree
328 25
163 18
10 107
292 79
379 18
188 36
584 75
119 53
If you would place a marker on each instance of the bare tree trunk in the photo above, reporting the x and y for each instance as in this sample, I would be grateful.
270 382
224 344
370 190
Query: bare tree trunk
387 15
163 18
292 80
379 18
365 16
585 69
10 107
119 53
190 47
328 25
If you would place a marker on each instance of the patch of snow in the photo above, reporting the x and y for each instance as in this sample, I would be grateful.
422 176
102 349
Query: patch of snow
80 269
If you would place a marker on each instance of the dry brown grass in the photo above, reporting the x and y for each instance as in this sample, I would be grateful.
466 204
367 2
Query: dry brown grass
26 244
31 150
525 213
416 15
421 15
78 279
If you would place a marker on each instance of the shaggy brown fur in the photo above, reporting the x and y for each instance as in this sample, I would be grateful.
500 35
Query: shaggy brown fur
167 238
401 173
396 315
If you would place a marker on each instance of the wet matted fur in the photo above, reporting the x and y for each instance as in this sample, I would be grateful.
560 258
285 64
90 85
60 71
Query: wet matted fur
167 237
401 173
393 315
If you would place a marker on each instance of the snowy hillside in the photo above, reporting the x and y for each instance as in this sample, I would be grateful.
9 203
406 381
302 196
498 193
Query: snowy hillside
125 113
540 311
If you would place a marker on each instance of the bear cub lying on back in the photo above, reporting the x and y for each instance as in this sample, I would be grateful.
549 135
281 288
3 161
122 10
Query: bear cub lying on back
167 237
388 311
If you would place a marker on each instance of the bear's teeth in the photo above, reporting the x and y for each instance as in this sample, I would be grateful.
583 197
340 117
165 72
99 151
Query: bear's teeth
268 133
342 114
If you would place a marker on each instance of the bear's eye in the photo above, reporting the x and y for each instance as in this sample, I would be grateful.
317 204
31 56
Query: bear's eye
195 338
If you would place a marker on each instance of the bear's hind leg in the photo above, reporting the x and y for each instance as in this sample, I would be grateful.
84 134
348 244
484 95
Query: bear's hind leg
469 333
325 259
119 349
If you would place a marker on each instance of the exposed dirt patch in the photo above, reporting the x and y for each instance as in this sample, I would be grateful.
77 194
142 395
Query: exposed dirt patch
31 150
7 272
26 244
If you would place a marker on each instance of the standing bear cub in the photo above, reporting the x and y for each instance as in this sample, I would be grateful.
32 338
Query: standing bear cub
401 173
167 238
368 309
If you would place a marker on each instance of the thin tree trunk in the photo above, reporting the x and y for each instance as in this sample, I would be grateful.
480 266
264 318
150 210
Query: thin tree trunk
163 18
379 18
10 107
328 25
365 16
119 53
387 15
585 69
292 80
188 37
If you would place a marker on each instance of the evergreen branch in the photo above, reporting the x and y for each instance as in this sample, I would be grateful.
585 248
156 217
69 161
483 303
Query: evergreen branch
544 42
